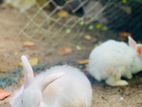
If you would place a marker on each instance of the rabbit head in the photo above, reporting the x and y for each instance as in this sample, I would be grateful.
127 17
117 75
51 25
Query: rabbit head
135 46
136 65
30 94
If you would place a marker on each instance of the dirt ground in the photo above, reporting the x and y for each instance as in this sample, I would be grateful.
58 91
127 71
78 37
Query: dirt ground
11 48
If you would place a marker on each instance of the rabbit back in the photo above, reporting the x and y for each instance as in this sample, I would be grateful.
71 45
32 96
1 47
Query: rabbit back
72 90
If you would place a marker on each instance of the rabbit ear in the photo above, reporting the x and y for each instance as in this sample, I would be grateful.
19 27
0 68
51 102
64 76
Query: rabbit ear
51 78
132 42
28 71
139 50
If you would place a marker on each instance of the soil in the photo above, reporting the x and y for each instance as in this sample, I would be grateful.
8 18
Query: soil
11 48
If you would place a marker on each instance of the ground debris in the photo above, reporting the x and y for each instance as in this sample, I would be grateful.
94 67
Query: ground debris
33 61
124 35
82 61
65 51
29 44
4 94
62 14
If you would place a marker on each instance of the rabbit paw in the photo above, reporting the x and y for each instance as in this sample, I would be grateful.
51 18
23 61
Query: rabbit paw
128 76
116 83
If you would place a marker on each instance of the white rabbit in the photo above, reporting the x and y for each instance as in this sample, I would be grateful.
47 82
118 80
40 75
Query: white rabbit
112 60
60 86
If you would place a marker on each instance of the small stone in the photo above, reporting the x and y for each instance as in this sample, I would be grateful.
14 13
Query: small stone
78 47
87 37
82 23
91 27
68 30
121 98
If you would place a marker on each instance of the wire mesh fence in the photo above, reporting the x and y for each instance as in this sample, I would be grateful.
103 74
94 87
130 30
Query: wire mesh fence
49 20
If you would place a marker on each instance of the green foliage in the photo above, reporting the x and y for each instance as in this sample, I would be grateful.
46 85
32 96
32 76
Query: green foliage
126 1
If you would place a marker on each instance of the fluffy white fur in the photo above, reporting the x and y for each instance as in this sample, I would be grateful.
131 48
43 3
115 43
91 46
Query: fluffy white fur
112 60
59 86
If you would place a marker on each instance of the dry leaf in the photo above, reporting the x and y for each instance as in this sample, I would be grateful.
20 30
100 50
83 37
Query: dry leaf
33 61
62 13
83 61
29 44
124 35
4 94
65 51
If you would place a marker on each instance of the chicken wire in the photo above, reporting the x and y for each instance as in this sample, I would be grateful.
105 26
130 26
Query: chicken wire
44 25
108 17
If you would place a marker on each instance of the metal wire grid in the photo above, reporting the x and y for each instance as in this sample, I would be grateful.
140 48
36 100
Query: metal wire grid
45 25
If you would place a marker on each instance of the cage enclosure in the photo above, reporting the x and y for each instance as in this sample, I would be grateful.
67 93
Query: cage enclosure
56 32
